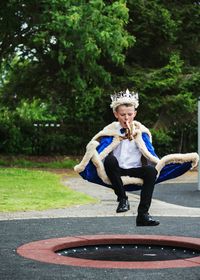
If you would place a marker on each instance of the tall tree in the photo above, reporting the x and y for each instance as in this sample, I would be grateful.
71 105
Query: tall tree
73 54
67 45
164 65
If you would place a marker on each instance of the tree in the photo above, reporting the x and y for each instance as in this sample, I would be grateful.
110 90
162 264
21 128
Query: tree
164 66
72 54
65 44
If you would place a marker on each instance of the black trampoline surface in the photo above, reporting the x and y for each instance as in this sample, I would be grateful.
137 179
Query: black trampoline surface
129 252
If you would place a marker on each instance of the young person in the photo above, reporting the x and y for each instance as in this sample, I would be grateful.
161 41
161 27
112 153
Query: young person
126 160
121 156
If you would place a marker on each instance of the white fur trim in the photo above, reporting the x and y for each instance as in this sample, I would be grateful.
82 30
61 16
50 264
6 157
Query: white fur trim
109 130
91 147
100 168
112 130
131 181
143 149
143 128
177 158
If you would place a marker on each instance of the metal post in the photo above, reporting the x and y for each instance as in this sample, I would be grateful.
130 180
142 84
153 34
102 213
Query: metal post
198 187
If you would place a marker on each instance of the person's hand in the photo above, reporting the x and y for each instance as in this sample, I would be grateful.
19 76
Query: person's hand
130 132
128 125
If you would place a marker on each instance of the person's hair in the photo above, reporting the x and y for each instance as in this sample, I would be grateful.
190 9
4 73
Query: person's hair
125 104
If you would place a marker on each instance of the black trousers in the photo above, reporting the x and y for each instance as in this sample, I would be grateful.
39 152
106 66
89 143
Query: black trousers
147 173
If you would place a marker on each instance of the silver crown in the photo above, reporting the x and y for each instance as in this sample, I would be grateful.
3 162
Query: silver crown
123 97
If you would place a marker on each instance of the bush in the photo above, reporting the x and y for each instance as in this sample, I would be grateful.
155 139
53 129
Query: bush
162 142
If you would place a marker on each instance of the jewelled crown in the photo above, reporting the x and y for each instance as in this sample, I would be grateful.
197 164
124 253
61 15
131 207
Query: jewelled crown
124 97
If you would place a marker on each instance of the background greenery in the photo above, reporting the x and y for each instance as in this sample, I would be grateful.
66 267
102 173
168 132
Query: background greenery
61 60
46 162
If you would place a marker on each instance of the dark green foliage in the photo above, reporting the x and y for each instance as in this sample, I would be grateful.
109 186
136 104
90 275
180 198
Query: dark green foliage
61 59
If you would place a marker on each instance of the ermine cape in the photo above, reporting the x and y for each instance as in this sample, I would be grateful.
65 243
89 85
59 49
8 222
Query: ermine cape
91 167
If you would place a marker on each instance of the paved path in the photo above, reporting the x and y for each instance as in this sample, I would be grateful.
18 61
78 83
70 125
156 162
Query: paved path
107 202
176 203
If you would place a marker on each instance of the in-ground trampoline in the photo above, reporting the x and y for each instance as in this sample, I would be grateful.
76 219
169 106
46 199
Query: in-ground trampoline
116 251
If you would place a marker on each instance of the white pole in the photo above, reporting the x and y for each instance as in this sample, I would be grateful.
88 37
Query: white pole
198 187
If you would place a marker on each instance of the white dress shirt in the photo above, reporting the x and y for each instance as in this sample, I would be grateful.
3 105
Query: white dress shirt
128 154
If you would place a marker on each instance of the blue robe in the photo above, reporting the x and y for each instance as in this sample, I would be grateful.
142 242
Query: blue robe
169 171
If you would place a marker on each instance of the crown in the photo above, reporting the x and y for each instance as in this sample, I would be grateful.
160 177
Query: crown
124 97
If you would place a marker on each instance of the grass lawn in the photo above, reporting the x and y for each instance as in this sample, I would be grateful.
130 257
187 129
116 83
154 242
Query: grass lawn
38 162
23 190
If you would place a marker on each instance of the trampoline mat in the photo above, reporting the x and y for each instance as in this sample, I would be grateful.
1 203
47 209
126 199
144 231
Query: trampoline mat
129 252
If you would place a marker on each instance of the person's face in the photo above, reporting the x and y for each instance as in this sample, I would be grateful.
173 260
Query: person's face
125 115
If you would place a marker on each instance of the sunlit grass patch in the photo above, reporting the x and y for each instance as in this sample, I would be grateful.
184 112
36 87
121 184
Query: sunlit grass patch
23 190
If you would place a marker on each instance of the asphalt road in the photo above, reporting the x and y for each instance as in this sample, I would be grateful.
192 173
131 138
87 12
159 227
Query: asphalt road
169 198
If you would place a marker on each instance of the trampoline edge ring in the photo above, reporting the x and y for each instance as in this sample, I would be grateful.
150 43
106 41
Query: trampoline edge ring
45 251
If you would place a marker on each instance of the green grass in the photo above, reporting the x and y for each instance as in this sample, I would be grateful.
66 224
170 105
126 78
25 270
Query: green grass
24 163
23 190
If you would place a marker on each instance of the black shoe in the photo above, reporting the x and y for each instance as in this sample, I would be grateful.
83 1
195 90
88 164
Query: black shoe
123 205
146 220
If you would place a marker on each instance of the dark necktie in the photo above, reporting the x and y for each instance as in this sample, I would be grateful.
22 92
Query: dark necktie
123 130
